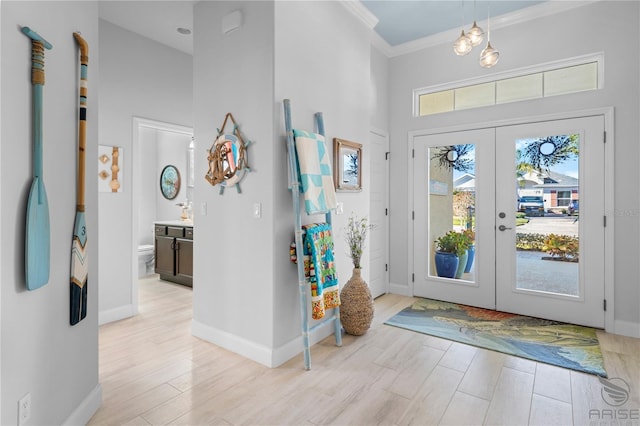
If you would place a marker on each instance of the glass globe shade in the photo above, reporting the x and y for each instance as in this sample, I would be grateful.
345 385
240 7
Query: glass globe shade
475 34
489 56
462 45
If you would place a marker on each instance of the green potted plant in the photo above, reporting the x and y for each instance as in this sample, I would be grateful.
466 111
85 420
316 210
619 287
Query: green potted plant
465 242
356 311
451 253
471 251
446 256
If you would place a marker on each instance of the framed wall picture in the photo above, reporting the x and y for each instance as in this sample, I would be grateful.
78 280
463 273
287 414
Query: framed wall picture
170 182
347 165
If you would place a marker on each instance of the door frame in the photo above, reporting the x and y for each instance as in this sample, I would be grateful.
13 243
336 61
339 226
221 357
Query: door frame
385 135
608 114
137 124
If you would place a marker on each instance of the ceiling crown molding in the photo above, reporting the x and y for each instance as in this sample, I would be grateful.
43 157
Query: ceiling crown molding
523 15
361 12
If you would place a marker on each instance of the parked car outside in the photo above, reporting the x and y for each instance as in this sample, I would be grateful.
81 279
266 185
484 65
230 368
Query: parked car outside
531 205
574 207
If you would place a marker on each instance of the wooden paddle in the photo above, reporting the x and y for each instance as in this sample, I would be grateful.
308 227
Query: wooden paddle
79 264
37 238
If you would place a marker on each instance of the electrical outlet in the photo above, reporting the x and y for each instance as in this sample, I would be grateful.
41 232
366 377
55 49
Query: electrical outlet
203 209
24 409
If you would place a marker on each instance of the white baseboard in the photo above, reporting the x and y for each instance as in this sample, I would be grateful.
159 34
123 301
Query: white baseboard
627 328
116 314
401 289
87 408
246 348
294 347
268 357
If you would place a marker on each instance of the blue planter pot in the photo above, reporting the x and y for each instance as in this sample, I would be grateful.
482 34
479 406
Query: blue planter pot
471 253
462 263
446 264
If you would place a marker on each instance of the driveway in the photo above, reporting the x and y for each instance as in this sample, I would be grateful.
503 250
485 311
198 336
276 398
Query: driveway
562 225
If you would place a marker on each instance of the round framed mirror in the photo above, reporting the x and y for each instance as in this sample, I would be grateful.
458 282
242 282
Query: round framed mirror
170 182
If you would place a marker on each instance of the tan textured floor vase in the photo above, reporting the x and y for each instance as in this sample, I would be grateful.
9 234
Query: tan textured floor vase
356 310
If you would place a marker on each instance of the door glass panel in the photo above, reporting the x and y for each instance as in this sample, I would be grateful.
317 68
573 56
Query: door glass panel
451 217
547 225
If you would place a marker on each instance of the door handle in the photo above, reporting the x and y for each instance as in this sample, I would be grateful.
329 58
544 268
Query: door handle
503 228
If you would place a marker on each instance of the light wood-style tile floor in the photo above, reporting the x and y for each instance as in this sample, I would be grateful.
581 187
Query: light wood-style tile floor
153 371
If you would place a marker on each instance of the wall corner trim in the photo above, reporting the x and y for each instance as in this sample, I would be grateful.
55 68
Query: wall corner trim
627 328
248 349
87 408
294 347
116 314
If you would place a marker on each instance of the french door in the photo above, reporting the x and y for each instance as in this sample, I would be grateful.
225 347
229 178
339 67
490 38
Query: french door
531 200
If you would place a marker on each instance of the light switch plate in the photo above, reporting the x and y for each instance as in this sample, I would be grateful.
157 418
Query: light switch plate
340 208
257 210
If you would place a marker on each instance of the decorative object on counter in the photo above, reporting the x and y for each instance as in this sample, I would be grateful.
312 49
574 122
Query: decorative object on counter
186 211
37 238
170 182
357 303
228 158
79 258
110 176
348 165
304 266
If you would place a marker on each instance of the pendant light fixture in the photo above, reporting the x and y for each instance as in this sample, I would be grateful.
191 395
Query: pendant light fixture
489 56
475 33
462 45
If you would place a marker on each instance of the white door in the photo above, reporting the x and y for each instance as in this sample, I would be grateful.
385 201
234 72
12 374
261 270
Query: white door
546 260
567 285
379 211
454 189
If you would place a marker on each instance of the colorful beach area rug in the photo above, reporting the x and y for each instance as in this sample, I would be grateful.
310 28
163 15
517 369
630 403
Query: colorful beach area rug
551 342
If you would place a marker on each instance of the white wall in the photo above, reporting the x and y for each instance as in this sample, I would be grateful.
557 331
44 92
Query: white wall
172 149
148 164
524 45
322 64
138 78
245 288
41 353
233 254
379 96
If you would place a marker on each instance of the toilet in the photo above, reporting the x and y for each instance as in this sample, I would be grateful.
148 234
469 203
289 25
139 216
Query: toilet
145 260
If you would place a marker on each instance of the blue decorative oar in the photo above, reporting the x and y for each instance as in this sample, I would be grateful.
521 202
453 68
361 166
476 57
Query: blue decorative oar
79 264
37 239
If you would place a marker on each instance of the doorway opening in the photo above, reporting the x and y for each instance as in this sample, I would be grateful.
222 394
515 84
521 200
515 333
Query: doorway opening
475 192
148 203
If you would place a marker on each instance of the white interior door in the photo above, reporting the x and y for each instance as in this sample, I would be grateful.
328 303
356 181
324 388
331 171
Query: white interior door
454 189
567 285
478 180
379 211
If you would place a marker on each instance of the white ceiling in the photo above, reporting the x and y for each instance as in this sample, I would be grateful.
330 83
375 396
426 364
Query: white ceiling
400 26
157 20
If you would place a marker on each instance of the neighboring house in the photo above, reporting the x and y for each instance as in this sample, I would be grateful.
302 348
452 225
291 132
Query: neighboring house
558 189
466 182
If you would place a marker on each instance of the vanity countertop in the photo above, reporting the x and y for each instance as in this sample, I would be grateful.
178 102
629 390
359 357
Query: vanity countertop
187 223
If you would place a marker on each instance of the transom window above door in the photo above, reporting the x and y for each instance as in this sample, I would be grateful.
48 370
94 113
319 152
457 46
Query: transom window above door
552 79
